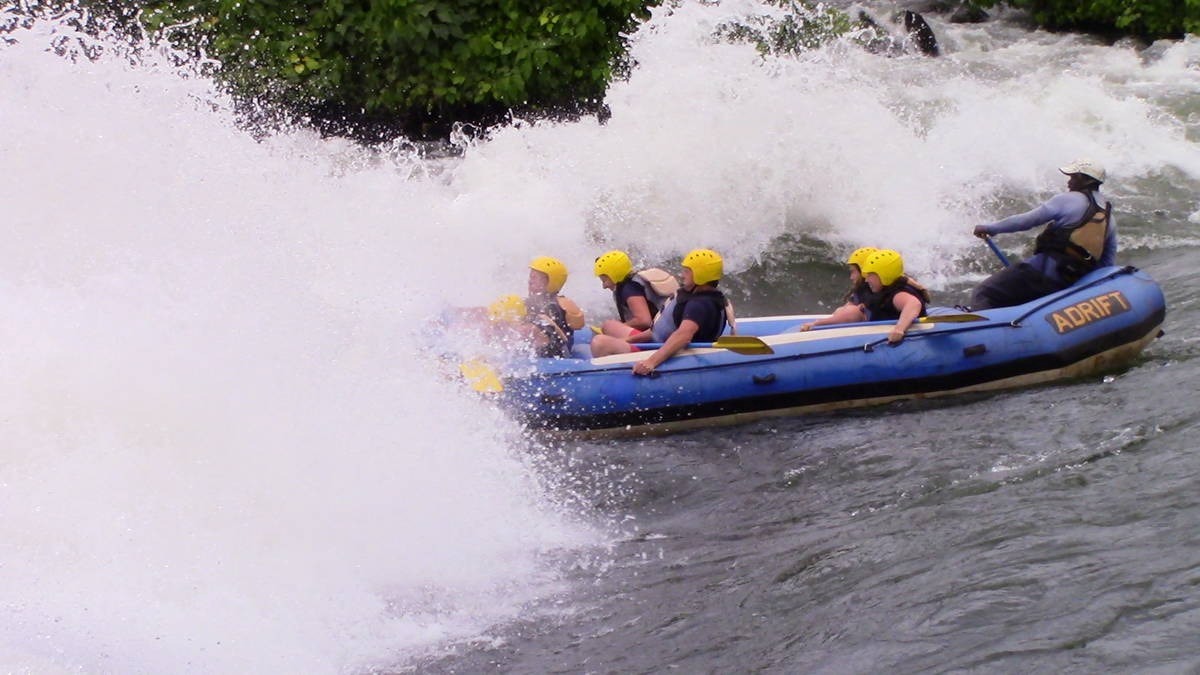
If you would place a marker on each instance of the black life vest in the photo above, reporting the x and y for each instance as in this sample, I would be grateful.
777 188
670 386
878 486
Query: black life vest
881 306
856 293
1082 242
623 306
669 323
548 315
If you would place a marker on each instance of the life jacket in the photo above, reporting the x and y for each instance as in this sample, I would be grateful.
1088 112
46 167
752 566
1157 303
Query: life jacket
574 315
1080 245
672 315
623 312
729 317
557 318
659 286
857 293
881 306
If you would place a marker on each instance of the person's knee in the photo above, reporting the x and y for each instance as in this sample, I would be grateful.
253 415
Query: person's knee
597 345
615 329
604 345
980 300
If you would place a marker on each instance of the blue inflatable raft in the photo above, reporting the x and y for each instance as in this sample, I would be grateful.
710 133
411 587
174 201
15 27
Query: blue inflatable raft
1101 323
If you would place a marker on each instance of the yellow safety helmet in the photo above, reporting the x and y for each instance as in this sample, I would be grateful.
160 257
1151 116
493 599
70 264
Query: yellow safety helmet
554 268
706 265
887 264
860 255
507 309
616 265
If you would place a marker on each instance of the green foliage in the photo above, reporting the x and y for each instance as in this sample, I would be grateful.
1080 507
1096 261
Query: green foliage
1149 19
420 59
92 17
801 26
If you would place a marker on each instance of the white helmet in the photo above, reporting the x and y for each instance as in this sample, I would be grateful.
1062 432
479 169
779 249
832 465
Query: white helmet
1086 167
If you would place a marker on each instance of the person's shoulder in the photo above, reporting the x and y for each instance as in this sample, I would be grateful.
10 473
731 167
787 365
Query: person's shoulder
1070 199
701 307
548 304
632 289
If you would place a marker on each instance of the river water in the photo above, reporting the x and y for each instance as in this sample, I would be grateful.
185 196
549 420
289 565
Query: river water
226 449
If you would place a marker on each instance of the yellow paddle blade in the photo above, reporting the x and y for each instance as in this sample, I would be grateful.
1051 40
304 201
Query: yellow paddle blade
743 344
481 376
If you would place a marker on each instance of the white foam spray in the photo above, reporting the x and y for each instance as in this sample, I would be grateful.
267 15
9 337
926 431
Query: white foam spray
225 449
713 145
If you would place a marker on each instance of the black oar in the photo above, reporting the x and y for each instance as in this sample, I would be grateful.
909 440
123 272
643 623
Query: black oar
952 318
484 379
935 318
738 344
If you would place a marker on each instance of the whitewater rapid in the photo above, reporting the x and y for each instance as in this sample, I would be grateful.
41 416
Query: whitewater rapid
224 448
227 443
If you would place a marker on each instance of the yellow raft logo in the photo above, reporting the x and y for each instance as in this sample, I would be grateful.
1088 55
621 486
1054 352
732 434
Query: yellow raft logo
1093 309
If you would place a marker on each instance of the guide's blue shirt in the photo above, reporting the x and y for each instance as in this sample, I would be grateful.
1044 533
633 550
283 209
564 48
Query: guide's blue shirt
1066 209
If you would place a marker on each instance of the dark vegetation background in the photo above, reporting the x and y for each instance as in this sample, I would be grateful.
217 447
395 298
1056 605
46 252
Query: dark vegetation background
378 69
